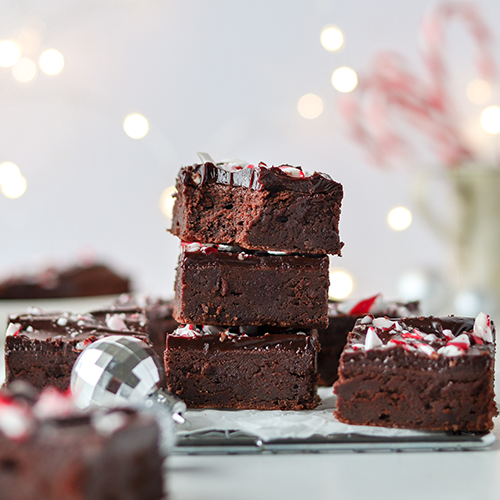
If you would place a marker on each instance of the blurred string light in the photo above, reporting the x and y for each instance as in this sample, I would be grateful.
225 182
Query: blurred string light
332 38
344 79
399 218
310 106
479 91
10 52
51 62
136 126
167 201
341 284
12 183
490 119
24 70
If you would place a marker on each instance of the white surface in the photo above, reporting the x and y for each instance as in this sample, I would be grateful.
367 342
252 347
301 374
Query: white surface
348 475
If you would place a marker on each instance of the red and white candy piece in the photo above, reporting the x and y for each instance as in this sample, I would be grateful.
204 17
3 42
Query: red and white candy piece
116 322
448 334
364 306
13 329
292 171
54 404
372 340
426 349
15 421
451 351
462 341
384 323
483 328
187 331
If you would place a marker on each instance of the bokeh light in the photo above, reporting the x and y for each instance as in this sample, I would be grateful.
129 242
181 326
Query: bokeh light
344 79
341 284
52 62
479 91
167 201
9 53
24 70
136 126
399 218
490 119
8 170
310 106
332 38
12 185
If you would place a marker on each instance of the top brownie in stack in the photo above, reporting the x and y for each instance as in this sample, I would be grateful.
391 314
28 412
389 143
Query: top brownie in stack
258 208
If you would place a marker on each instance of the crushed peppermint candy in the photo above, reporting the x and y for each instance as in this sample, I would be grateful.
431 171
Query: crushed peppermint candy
187 331
15 421
426 349
116 322
107 424
448 334
451 351
364 306
367 320
462 341
54 404
372 340
482 327
13 329
62 321
384 323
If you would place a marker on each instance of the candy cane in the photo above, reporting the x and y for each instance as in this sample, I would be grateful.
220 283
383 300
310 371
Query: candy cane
391 89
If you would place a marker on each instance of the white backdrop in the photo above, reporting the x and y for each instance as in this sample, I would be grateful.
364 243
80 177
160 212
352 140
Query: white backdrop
220 76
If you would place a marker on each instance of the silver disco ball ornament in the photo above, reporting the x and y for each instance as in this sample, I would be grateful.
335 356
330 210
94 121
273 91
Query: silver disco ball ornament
122 370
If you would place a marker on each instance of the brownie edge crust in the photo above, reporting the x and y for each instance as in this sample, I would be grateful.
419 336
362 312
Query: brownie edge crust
419 373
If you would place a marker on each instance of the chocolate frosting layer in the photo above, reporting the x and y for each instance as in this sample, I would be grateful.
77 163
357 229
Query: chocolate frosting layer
258 178
425 326
64 326
254 259
251 337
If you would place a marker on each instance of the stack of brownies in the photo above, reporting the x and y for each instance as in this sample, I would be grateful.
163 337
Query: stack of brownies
252 284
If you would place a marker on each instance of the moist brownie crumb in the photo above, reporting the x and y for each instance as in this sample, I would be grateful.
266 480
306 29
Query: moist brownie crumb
221 285
260 368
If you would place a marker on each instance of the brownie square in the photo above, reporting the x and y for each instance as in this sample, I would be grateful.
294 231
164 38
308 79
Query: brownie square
42 348
76 281
242 367
258 208
216 285
51 451
420 373
341 319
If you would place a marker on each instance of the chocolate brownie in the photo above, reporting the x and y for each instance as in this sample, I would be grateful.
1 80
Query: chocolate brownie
42 348
341 319
50 451
76 281
258 208
260 368
220 285
420 373
158 313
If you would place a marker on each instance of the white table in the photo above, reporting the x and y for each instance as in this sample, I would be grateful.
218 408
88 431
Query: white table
371 476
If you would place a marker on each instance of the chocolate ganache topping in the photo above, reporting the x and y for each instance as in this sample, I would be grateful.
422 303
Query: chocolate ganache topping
429 336
259 177
241 337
